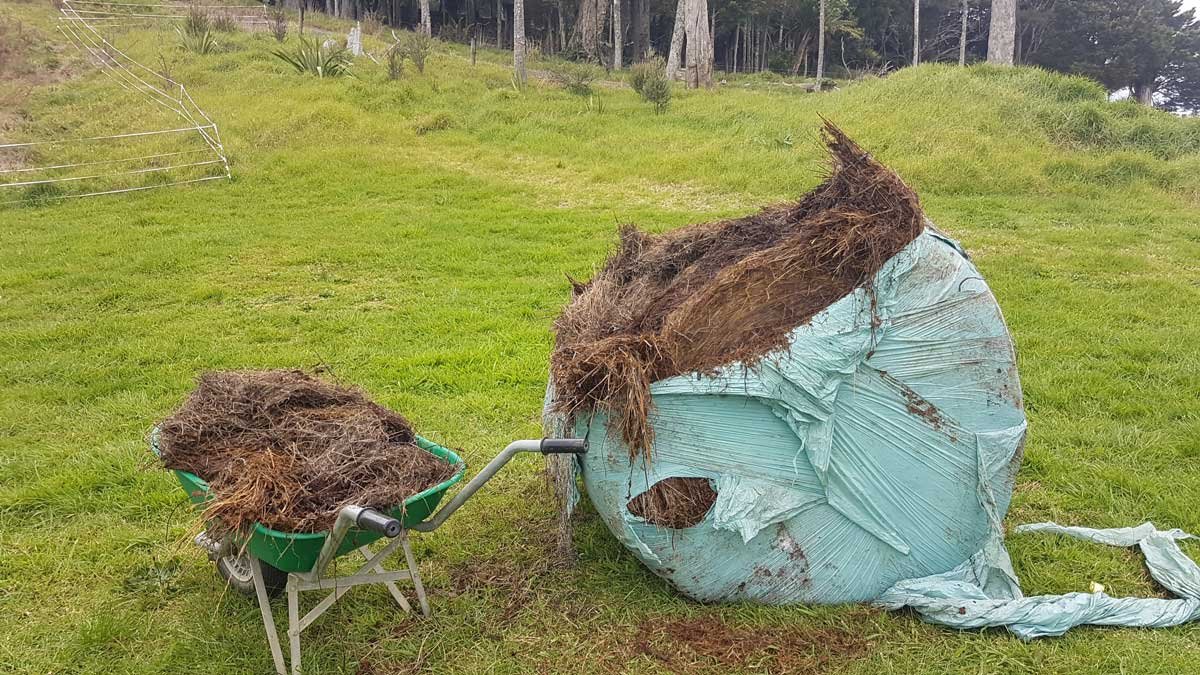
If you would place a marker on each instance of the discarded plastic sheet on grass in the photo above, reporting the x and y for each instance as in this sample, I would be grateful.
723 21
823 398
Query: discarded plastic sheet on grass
983 592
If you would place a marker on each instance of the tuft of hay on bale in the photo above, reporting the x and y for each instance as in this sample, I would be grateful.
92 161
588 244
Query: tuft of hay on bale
705 296
288 450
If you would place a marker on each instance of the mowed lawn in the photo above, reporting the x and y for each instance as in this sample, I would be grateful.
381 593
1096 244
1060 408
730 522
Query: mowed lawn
413 236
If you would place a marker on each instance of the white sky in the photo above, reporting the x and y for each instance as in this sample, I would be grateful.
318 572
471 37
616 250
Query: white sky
1192 4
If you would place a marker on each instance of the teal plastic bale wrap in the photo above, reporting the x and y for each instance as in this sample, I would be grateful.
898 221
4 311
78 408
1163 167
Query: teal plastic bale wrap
880 446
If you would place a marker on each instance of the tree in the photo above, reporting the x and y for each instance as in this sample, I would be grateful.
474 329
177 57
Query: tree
1150 47
820 43
1002 40
589 24
426 23
675 52
518 40
618 41
916 61
962 38
699 45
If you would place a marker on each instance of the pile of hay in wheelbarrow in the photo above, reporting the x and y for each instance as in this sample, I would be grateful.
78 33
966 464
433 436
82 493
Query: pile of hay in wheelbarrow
286 449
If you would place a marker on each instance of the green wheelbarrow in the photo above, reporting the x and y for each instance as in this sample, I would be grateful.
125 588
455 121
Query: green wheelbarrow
267 562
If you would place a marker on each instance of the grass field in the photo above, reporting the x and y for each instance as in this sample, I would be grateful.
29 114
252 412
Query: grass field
413 236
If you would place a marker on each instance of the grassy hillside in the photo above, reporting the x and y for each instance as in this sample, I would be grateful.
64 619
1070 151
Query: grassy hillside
413 237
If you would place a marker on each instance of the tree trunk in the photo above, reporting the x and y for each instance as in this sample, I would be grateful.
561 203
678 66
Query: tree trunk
737 36
1144 93
821 44
916 32
675 53
562 29
589 24
962 37
617 35
699 45
1002 42
426 22
518 40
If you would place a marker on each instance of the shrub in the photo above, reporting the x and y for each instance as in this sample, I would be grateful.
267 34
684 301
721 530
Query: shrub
277 16
435 122
395 62
649 80
223 22
576 78
196 22
416 46
313 58
372 23
199 43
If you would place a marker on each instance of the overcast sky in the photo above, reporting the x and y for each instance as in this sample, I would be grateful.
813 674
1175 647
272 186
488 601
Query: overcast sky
1191 4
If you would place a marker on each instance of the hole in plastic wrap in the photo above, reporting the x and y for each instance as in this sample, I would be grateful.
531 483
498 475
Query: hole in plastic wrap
675 502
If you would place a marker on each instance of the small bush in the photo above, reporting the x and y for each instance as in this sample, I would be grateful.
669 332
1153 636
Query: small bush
576 78
435 122
277 16
395 63
650 81
416 47
372 23
199 43
313 58
196 23
224 23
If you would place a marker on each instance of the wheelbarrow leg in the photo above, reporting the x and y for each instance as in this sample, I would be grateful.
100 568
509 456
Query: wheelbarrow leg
264 605
391 585
416 574
293 594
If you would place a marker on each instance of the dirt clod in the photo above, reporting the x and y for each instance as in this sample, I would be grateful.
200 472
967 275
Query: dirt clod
288 450
705 296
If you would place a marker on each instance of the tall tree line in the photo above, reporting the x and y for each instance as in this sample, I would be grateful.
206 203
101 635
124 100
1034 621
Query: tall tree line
1149 47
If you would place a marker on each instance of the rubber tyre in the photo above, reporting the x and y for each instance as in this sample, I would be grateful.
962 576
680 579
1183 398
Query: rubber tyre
235 570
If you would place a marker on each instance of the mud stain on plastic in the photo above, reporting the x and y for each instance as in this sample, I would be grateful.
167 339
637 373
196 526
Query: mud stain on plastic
917 405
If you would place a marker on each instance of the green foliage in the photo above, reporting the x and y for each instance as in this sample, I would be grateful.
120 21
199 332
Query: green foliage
372 23
1147 46
198 42
196 22
395 62
576 78
313 58
224 22
416 47
649 80
438 121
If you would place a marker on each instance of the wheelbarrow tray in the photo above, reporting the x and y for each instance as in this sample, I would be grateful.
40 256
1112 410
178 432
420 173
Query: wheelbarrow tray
297 551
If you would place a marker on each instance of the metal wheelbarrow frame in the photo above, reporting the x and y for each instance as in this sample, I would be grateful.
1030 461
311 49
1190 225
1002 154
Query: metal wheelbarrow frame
268 554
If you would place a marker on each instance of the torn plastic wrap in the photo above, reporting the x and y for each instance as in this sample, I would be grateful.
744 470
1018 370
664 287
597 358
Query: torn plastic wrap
962 598
881 446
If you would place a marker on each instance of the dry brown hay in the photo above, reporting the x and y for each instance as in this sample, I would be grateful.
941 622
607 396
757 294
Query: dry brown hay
705 296
288 450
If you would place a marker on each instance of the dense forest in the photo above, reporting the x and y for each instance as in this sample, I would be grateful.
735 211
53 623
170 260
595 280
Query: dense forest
1151 48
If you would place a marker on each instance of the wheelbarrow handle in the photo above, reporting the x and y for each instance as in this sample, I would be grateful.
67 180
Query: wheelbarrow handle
564 446
381 523
575 446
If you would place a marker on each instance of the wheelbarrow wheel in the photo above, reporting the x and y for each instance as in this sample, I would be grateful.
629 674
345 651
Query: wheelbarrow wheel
236 571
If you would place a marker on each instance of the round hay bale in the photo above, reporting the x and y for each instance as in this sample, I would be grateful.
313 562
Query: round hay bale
880 444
